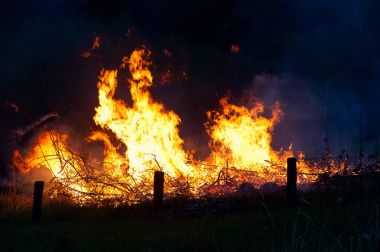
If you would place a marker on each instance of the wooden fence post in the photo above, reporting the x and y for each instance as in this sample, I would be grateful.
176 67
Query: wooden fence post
291 183
37 200
158 193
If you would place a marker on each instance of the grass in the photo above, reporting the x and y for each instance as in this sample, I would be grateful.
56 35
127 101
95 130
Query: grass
321 222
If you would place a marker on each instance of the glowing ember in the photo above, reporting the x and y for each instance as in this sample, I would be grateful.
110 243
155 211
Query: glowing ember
95 45
13 106
234 49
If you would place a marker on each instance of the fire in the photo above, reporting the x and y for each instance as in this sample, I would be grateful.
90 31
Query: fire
43 153
241 138
241 135
146 128
113 160
51 152
148 139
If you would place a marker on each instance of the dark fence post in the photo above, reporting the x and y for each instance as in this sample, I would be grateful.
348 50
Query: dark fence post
291 183
37 200
158 193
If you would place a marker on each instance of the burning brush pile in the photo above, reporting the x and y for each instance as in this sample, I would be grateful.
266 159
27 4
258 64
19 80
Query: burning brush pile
148 140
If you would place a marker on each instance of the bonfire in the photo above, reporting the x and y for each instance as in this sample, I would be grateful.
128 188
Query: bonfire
143 137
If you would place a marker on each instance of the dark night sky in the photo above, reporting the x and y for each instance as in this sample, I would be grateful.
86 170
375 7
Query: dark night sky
320 59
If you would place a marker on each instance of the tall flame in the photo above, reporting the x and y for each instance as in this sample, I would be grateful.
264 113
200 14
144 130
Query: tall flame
242 136
146 128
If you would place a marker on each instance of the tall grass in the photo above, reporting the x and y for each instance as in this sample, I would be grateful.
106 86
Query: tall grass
323 221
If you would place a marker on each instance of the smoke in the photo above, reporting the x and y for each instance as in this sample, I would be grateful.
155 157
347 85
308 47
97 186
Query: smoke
315 120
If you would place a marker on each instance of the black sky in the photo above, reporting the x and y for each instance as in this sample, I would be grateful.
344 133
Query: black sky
320 59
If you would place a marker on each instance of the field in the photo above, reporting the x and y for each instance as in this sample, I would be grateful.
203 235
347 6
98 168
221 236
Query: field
329 220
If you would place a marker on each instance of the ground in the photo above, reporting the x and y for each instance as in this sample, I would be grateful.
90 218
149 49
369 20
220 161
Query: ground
224 224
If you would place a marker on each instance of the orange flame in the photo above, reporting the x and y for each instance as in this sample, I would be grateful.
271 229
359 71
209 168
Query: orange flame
241 135
146 128
50 152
